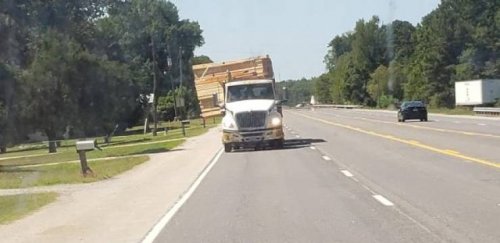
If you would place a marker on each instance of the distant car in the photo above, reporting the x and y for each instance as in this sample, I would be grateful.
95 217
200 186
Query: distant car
412 110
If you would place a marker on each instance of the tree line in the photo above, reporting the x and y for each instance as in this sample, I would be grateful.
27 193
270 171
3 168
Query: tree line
89 66
379 64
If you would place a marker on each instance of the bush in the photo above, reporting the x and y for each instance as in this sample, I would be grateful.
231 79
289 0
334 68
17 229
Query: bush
386 101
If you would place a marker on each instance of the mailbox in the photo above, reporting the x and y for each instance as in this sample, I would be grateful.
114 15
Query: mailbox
82 147
87 145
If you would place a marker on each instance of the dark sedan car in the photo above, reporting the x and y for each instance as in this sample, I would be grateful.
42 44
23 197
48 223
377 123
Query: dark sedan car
412 110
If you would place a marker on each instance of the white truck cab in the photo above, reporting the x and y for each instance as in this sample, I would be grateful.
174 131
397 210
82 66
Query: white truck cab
252 115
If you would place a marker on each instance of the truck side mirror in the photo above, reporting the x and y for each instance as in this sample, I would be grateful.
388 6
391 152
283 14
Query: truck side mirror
281 102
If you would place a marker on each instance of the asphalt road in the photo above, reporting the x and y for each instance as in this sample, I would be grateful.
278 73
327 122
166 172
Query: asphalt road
353 176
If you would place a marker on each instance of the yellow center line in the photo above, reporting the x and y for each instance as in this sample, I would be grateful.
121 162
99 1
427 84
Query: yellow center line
452 151
409 142
431 128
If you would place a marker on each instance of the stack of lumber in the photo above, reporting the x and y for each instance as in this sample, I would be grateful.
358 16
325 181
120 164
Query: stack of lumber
210 79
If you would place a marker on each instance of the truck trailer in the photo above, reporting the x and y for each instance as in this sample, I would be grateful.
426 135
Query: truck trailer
477 92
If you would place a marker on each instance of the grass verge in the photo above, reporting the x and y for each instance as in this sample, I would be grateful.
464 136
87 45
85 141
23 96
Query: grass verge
67 173
456 111
17 206
108 151
134 136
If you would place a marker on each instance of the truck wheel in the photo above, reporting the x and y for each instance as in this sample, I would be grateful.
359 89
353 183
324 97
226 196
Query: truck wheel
227 147
279 144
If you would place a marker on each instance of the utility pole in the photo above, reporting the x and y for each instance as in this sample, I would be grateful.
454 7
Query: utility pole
180 66
181 79
169 66
155 84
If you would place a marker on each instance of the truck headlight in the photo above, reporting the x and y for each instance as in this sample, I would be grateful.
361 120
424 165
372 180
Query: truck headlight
228 123
275 121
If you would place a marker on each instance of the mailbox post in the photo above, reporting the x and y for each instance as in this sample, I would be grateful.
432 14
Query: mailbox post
82 147
184 123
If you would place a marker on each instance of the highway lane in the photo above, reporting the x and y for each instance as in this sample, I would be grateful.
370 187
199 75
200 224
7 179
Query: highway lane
349 185
290 195
479 144
457 198
463 123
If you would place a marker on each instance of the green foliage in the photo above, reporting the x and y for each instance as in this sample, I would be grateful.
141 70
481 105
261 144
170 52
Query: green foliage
386 101
456 41
296 91
201 60
322 89
378 85
89 64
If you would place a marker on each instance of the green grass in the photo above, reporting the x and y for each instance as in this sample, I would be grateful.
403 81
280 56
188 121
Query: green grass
41 156
456 111
135 136
17 206
67 173
70 155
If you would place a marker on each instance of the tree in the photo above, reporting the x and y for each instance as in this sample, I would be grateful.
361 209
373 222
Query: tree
201 60
378 85
322 89
297 91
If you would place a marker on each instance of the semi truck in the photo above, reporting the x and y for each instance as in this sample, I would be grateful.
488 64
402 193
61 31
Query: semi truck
244 93
477 92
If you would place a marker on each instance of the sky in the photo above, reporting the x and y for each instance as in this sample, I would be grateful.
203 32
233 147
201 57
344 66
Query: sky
295 34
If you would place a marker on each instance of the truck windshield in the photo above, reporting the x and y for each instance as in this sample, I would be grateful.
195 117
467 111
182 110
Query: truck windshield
250 92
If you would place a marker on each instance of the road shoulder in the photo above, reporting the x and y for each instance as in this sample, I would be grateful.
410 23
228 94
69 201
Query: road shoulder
122 209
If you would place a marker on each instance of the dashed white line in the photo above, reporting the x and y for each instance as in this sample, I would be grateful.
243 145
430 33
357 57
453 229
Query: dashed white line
297 136
481 124
312 147
381 199
346 173
457 122
326 158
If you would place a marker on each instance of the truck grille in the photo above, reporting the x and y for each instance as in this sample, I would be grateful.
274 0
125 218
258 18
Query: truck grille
253 119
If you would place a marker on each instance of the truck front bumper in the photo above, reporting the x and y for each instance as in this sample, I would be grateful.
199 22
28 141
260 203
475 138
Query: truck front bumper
254 137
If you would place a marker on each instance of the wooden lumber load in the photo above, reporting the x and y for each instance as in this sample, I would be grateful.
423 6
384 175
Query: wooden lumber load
210 79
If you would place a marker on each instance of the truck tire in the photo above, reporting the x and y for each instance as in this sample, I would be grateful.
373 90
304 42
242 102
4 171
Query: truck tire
227 147
279 144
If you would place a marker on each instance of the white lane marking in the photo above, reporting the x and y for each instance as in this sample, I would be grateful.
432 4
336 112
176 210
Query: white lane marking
436 120
383 200
297 136
151 236
313 148
457 122
346 173
481 124
326 158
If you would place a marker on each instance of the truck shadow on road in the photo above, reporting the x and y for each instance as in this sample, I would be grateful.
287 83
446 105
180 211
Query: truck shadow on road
289 144
301 143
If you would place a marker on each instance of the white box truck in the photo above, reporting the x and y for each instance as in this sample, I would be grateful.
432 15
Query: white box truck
477 92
